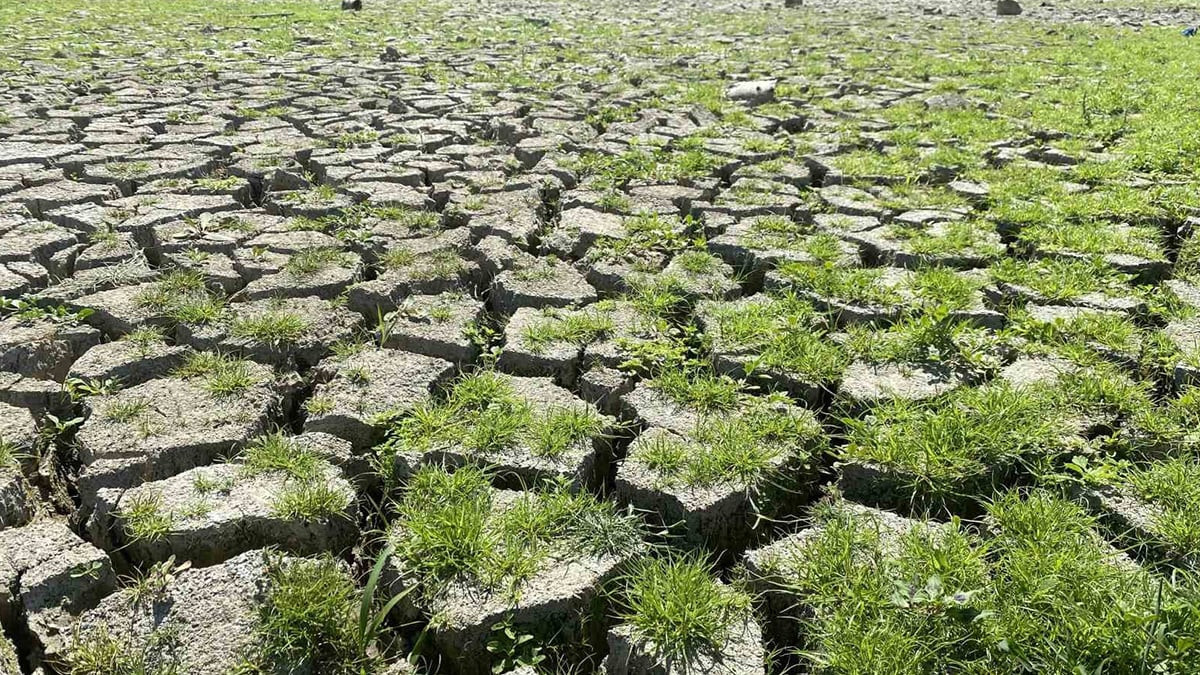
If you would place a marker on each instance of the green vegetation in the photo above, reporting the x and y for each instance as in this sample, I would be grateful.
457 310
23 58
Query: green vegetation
572 327
311 261
307 493
678 605
1010 171
749 448
28 311
101 652
1041 591
145 518
9 457
222 375
1173 487
943 449
452 528
1062 279
315 616
275 327
699 389
779 333
182 296
482 414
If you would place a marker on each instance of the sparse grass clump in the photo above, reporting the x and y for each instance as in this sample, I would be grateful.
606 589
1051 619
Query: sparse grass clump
182 296
277 452
223 375
307 493
309 262
124 411
309 501
275 327
100 652
9 457
575 327
146 518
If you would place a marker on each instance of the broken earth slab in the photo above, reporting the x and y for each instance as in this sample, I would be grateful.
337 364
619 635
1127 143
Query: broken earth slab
48 575
281 493
359 393
165 426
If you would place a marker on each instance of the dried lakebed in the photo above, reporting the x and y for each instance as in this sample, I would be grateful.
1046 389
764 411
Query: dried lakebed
842 336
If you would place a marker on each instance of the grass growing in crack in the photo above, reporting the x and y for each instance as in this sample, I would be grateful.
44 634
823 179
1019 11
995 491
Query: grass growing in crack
1094 238
1067 602
865 286
277 452
1102 392
932 338
223 375
774 231
781 333
309 501
9 456
145 517
576 328
957 237
314 614
483 414
698 262
312 261
275 327
1038 591
554 432
678 604
942 287
700 389
1113 331
1172 486
182 296
745 449
1062 279
203 309
308 617
947 447
124 411
450 527
886 600
440 264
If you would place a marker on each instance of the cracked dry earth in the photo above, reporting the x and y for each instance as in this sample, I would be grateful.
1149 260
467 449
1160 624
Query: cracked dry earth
878 319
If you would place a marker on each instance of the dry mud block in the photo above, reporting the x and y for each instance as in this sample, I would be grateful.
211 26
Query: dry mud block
48 575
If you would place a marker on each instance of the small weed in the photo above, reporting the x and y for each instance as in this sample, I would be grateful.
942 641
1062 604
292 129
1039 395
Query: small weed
145 517
275 327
